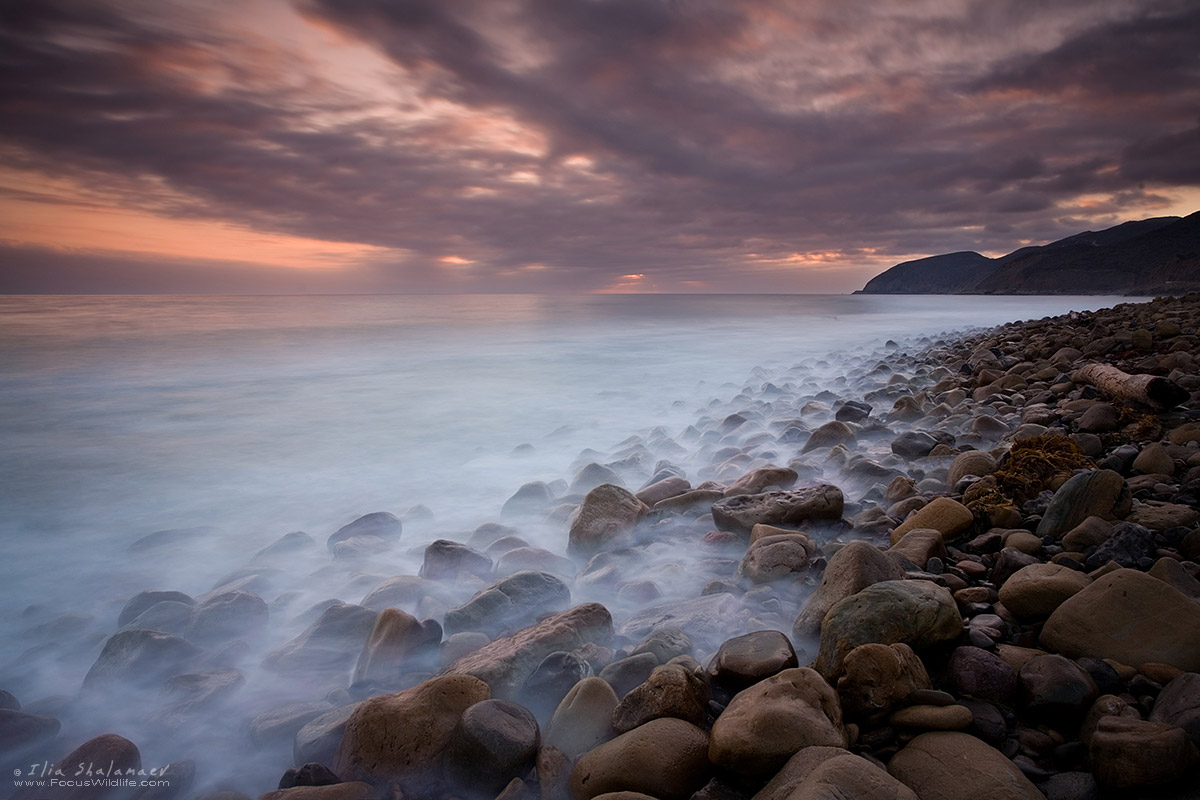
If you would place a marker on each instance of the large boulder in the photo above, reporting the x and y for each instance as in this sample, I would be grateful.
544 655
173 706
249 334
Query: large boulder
382 524
665 759
396 638
943 514
604 520
1128 616
851 569
401 737
1034 591
227 615
1133 754
947 765
796 706
740 513
1100 493
876 677
506 664
773 558
509 604
831 773
447 560
919 613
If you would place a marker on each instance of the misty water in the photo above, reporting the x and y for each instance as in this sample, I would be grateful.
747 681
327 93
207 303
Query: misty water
246 418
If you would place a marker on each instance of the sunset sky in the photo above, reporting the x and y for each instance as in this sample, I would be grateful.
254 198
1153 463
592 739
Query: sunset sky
575 145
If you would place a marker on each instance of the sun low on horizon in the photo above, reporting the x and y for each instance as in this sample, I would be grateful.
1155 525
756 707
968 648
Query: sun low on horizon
602 146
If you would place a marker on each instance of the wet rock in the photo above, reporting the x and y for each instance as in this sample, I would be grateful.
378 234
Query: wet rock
1099 418
1128 616
829 435
21 731
665 759
876 677
944 515
395 638
1132 753
853 411
1089 533
140 658
532 499
1033 592
382 524
796 705
330 644
1098 493
748 659
762 479
741 513
583 719
551 680
826 773
143 601
773 558
1154 459
402 736
604 520
1056 688
505 664
665 644
510 603
1159 515
919 613
850 570
920 545
669 691
1178 704
1126 544
671 486
708 620
447 560
284 547
172 538
981 674
168 616
913 444
945 765
534 559
494 742
318 739
401 591
228 615
591 476
972 462
626 673
284 722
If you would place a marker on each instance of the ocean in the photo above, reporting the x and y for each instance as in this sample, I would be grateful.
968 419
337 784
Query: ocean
256 416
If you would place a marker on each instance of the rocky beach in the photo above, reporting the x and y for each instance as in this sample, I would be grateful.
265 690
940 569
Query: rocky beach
951 567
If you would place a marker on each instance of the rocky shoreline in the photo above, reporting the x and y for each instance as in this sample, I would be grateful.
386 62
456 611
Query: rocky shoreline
961 570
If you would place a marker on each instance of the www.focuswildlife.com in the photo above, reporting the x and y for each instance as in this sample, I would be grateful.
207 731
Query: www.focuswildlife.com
99 783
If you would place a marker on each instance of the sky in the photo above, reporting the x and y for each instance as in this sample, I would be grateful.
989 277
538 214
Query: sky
575 145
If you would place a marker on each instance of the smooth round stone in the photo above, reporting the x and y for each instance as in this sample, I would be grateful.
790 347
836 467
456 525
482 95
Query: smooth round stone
1024 541
932 718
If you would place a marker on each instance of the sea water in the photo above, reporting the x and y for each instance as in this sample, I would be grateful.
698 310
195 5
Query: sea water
256 416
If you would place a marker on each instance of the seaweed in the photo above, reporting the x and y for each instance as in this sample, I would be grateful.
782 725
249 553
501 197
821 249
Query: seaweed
1031 466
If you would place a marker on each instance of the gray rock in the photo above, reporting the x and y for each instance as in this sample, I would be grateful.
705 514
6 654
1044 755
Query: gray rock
383 524
331 644
509 604
142 601
494 742
140 658
813 504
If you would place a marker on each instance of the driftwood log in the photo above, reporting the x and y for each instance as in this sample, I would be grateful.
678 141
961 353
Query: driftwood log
1149 390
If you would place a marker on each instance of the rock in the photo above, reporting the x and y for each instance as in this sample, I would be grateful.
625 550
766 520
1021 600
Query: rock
982 674
799 709
447 560
626 673
534 559
944 515
1098 493
1024 541
853 411
829 435
932 718
177 776
143 601
876 677
1071 786
708 619
108 752
668 487
1126 545
1099 418
1033 592
1154 460
774 558
1132 753
187 696
972 462
741 513
665 644
1171 572
284 722
343 790
669 691
140 658
920 545
228 615
509 604
494 742
604 520
284 547
551 680
1128 616
947 765
402 736
1089 533
318 740
168 616
1160 516
1054 688
382 524
396 637
759 480
748 659
919 613
532 499
330 644
403 592
583 719
831 773
507 663
1178 704
173 538
21 731
593 475
913 444
666 759
851 569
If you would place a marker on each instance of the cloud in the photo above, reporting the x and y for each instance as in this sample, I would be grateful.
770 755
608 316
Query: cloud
562 145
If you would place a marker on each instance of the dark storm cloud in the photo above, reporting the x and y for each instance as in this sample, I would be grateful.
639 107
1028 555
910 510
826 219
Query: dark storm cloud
715 133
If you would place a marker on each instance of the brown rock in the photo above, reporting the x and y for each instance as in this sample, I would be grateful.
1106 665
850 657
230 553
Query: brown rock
830 773
972 462
1158 516
876 677
1033 592
583 718
932 718
1090 532
747 659
395 637
773 558
1128 616
799 709
105 752
402 736
761 479
670 691
346 790
665 758
1132 753
920 545
1154 459
944 515
741 513
604 520
1171 572
851 569
946 765
828 435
